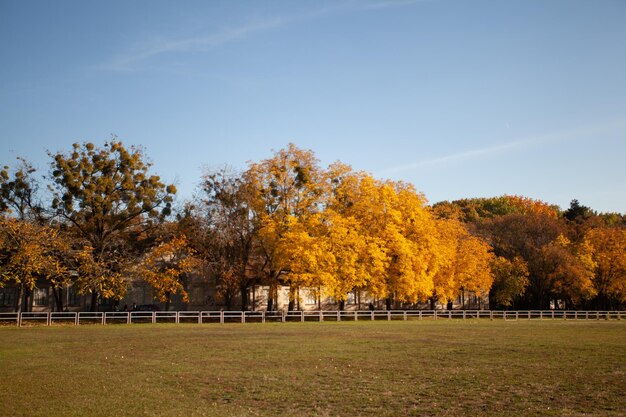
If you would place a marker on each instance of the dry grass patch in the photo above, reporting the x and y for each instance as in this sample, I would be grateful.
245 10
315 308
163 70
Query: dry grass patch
309 369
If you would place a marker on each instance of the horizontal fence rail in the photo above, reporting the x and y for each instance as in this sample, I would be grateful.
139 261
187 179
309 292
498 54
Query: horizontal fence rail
200 317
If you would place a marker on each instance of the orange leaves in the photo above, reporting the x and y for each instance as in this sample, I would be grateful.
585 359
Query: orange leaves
607 247
527 205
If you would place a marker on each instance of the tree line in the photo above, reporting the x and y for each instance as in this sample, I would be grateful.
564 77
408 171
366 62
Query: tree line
101 218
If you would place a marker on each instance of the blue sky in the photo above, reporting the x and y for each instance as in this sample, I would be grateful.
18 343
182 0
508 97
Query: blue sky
460 98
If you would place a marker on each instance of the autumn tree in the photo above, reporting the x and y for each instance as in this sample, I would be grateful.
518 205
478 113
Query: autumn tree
608 253
359 254
166 266
20 199
474 210
569 269
18 192
225 233
25 255
284 193
398 241
510 281
108 199
525 236
465 264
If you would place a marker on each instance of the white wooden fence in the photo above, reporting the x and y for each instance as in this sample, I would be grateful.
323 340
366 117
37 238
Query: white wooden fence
200 317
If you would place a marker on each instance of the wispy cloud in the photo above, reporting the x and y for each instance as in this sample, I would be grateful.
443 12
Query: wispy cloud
391 3
133 59
500 149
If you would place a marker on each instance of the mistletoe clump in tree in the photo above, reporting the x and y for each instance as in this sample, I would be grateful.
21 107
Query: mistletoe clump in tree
110 201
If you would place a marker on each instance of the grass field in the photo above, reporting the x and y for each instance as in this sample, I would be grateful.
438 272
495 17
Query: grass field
441 368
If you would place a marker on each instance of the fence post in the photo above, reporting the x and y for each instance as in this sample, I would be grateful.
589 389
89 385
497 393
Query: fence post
516 315
419 314
221 316
49 318
388 315
338 315
356 315
262 316
129 320
372 315
302 316
243 316
463 314
19 319
282 316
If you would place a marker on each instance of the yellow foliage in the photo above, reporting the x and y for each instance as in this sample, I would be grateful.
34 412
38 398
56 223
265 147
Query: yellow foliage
466 262
165 266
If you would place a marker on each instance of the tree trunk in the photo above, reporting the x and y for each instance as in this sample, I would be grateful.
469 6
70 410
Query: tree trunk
388 303
270 298
319 298
19 299
243 289
342 305
298 299
94 300
168 300
58 297
28 296
292 297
